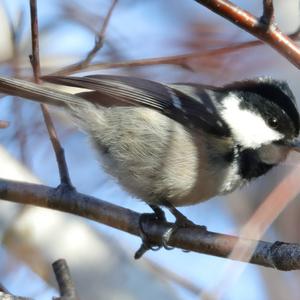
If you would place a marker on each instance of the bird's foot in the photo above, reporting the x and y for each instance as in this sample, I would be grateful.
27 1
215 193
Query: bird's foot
146 243
181 222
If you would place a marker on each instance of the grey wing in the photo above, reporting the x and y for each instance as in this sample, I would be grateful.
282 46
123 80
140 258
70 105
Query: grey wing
196 110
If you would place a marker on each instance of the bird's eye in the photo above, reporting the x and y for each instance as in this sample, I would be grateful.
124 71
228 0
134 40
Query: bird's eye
273 122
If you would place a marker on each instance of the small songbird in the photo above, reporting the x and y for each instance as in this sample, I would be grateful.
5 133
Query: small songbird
177 144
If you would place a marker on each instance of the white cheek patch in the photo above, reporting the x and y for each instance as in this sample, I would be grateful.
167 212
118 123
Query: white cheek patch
248 127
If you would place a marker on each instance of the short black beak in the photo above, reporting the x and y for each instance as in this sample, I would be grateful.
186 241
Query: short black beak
295 146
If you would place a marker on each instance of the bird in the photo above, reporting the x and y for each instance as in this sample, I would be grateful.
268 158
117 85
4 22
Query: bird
177 144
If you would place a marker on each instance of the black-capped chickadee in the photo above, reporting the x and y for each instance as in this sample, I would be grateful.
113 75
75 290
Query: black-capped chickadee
177 144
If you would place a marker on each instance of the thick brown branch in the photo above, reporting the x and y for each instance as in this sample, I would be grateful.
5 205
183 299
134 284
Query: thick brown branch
35 62
282 256
270 35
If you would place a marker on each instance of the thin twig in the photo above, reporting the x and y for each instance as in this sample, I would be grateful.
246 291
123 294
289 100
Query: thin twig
278 255
64 280
98 44
243 19
35 57
35 62
180 60
268 12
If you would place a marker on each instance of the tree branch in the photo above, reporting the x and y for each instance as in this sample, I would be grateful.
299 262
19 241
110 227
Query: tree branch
279 255
64 280
98 45
35 62
179 60
6 296
268 12
253 25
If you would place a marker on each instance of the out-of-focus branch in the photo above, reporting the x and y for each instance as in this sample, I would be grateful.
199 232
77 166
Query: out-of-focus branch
279 255
35 62
271 34
6 296
174 277
3 124
98 45
3 289
276 201
179 60
64 280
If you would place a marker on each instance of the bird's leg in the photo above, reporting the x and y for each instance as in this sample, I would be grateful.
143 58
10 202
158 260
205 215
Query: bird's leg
181 221
158 214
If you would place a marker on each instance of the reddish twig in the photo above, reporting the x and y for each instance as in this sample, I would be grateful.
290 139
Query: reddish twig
100 37
98 44
35 62
35 57
243 19
64 280
180 60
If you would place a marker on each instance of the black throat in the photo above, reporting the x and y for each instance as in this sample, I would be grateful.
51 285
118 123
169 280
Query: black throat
250 165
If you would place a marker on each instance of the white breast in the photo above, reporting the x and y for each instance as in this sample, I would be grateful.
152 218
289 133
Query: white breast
152 156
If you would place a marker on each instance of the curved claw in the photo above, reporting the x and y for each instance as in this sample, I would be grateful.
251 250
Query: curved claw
166 237
182 223
143 249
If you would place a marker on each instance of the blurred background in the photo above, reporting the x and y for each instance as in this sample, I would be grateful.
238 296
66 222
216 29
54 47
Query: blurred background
101 258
